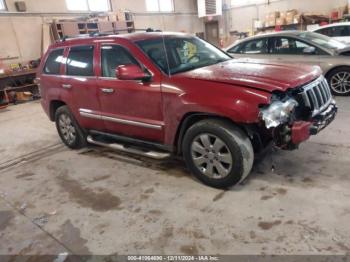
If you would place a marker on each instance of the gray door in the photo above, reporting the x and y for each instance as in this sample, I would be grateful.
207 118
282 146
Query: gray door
291 50
212 32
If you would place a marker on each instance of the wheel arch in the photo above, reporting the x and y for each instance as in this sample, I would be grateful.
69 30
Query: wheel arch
191 118
54 105
330 70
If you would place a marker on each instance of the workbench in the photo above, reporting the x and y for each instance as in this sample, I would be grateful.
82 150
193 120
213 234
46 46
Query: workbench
18 81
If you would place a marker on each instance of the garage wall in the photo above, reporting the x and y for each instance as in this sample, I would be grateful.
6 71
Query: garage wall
244 22
23 32
183 19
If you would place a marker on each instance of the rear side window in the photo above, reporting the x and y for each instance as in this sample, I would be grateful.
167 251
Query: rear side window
235 49
324 31
336 31
258 46
113 56
80 61
53 62
339 31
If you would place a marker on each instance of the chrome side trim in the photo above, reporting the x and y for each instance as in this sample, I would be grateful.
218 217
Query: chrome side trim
87 113
130 122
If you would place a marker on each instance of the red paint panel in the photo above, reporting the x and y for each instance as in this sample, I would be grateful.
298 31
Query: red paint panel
300 132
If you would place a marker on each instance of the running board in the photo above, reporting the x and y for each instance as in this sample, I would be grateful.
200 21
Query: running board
121 147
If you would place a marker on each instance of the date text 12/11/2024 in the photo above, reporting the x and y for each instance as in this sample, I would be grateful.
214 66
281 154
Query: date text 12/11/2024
173 258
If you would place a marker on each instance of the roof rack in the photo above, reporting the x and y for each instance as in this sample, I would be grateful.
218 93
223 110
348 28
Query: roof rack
106 33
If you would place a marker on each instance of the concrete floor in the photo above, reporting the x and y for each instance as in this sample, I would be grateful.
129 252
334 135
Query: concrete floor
95 201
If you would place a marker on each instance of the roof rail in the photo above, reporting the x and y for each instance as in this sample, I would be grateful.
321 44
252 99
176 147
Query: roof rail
106 33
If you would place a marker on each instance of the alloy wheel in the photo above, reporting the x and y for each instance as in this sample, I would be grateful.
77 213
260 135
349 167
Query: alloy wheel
211 156
67 128
340 82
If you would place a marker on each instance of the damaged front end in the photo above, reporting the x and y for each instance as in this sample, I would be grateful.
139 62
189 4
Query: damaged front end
292 117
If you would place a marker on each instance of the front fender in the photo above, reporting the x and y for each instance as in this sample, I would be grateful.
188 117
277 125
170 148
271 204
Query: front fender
239 104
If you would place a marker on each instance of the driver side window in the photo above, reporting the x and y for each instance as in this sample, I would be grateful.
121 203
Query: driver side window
113 56
282 46
288 46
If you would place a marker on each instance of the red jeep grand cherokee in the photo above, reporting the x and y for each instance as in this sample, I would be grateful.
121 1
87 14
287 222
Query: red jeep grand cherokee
158 94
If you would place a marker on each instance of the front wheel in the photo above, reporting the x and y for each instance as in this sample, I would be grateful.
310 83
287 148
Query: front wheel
68 129
339 81
218 153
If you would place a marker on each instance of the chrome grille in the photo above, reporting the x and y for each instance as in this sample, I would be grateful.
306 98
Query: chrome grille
317 95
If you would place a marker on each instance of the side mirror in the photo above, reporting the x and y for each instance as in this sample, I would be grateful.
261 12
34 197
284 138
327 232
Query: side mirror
310 50
131 72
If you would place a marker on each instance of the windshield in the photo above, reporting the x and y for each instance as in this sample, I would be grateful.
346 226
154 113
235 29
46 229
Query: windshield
322 40
182 53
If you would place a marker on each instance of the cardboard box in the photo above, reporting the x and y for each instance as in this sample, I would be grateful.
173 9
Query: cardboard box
289 20
283 15
23 96
270 22
338 13
291 13
120 15
274 15
297 19
281 21
259 24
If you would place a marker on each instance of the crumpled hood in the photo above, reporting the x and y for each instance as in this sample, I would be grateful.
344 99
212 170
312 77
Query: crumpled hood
259 74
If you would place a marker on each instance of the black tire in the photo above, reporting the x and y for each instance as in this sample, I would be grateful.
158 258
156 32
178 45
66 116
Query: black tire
331 77
79 140
237 143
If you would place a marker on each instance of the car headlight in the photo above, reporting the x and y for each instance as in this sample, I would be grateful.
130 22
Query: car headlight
278 112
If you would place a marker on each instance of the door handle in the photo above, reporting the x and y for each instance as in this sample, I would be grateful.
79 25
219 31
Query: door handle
107 90
66 86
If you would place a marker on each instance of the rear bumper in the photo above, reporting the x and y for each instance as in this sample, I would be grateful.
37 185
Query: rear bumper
301 130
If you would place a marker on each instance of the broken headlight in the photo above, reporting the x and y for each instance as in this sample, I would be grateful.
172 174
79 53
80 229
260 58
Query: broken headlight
278 112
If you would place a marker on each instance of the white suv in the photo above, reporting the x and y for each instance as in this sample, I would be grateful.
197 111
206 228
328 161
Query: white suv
338 31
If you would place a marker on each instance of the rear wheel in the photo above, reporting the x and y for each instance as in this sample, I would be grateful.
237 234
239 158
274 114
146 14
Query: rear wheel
218 153
68 129
339 81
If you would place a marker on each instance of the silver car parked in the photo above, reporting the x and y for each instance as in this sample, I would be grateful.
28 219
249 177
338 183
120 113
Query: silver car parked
301 47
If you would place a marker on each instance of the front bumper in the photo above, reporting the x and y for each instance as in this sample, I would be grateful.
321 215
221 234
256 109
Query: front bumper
323 119
302 130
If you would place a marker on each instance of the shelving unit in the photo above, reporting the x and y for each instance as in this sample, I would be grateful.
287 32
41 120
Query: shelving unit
299 26
304 22
62 29
18 81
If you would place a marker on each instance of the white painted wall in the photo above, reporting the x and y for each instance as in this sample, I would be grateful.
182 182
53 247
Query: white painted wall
22 35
